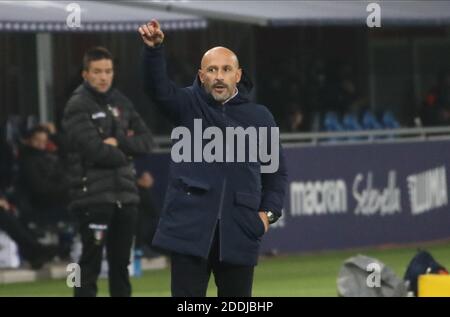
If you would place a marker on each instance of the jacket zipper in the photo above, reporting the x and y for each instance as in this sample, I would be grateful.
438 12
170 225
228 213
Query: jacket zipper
116 173
219 215
222 196
224 107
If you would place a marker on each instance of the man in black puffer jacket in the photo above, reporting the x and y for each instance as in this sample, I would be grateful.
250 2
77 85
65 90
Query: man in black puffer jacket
103 134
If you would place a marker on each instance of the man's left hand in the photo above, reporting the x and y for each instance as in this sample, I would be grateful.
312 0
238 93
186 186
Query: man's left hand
265 220
111 141
4 204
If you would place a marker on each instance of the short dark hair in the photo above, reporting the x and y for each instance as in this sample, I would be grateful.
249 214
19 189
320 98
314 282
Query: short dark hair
35 130
95 54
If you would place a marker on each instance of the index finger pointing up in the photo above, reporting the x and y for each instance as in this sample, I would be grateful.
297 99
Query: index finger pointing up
155 24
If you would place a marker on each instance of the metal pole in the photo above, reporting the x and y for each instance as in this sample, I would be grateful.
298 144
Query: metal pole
371 73
45 76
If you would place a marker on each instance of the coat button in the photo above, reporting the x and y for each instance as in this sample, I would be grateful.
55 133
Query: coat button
189 193
85 189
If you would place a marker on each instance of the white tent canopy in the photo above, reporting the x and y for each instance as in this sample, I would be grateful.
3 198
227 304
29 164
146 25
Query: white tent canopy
95 16
281 13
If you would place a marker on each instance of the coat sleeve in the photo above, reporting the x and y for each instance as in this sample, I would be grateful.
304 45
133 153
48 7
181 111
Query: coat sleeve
141 142
171 100
83 137
274 184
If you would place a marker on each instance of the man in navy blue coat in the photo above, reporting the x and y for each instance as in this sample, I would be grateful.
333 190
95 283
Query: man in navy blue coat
217 207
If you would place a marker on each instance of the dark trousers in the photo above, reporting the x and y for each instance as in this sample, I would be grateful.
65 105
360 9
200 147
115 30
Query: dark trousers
114 227
190 275
27 243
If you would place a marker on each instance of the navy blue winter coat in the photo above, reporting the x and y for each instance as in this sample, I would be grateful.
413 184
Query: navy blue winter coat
202 197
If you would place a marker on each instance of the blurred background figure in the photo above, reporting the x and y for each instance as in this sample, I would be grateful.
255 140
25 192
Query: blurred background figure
315 89
34 252
6 161
436 108
342 94
296 119
42 187
103 133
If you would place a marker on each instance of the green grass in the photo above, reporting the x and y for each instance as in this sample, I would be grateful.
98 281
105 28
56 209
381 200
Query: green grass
294 275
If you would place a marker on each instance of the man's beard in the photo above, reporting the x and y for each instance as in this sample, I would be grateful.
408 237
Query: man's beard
219 97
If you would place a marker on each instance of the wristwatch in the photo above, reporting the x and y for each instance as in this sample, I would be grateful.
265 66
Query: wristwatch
271 216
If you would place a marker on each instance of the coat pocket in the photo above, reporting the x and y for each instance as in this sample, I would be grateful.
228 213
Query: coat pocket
186 193
184 212
246 214
193 185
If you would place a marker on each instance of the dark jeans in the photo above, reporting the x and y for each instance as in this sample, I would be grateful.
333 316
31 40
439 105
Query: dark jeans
27 243
190 275
114 227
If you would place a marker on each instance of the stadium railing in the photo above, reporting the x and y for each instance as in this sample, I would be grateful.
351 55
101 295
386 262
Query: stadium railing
163 142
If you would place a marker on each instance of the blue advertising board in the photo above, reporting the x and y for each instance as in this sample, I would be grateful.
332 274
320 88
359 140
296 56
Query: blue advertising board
347 196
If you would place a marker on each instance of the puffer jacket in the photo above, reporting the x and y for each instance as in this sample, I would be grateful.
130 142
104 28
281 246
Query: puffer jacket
101 173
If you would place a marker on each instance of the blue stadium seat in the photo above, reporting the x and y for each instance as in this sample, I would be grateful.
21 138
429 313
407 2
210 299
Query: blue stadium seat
351 123
331 122
389 120
370 121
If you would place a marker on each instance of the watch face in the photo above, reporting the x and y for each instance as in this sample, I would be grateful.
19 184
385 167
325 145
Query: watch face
270 216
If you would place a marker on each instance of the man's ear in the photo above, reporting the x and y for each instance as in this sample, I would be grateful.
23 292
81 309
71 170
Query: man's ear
84 74
238 75
200 75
